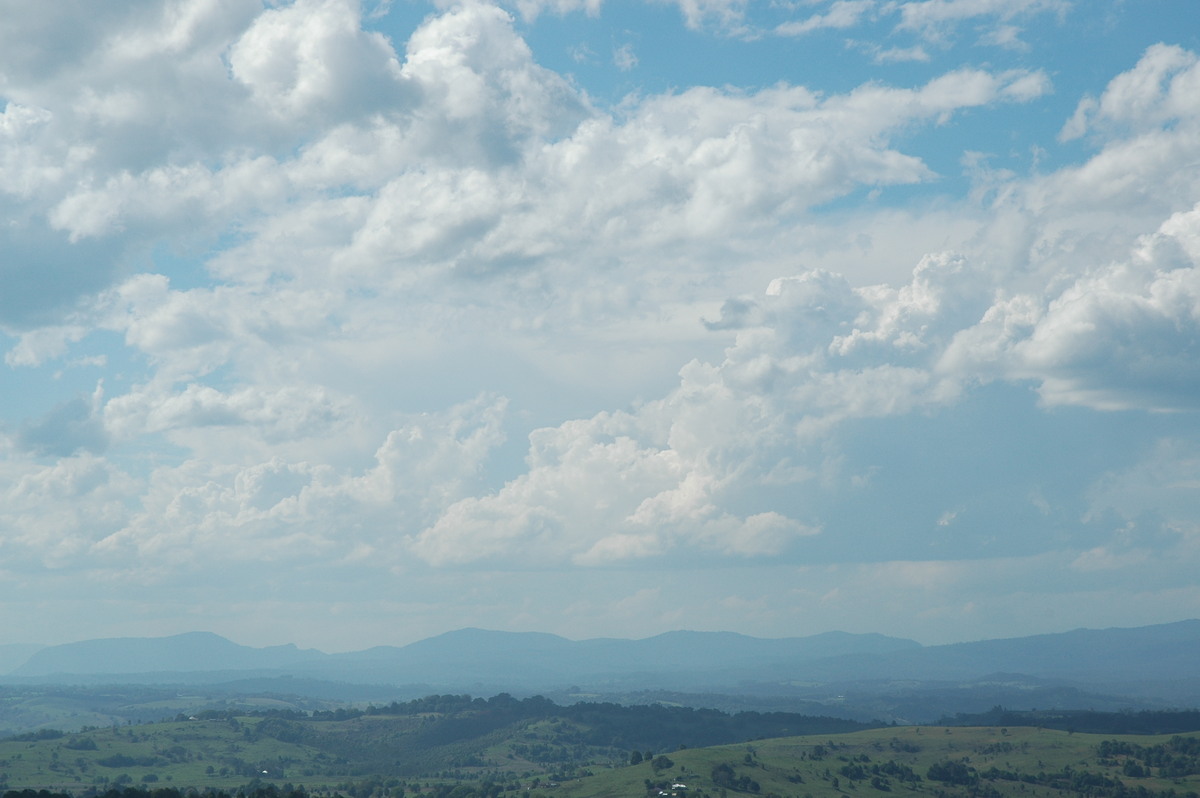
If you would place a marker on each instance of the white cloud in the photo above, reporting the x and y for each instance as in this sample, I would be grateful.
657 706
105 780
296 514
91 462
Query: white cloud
52 514
899 54
287 413
531 9
725 15
645 484
203 511
1008 36
1161 88
414 181
373 236
934 19
842 14
43 343
311 61
624 58
618 486
1120 336
816 354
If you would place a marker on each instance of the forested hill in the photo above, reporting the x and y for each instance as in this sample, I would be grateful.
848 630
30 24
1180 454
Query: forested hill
454 718
457 739
449 736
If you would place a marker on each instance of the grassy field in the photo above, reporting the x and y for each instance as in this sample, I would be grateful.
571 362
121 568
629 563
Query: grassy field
226 753
202 753
798 767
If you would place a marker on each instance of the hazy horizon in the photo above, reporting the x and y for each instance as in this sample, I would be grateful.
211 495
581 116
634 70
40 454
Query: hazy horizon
369 645
345 323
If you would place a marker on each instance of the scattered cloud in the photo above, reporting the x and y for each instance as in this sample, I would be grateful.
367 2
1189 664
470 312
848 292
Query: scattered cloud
841 15
624 58
935 19
895 55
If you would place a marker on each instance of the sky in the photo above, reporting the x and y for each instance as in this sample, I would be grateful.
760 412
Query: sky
347 323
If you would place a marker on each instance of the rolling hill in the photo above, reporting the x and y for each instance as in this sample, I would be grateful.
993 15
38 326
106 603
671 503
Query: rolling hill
854 676
459 747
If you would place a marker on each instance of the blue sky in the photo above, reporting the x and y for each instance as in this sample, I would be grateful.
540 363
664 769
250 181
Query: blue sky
347 324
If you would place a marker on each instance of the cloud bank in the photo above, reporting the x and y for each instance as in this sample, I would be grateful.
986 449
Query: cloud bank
301 308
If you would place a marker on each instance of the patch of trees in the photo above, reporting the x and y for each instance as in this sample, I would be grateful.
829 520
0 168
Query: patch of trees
1081 782
40 734
449 720
126 761
660 727
949 772
1176 758
575 732
903 746
80 744
547 753
1084 721
1068 781
725 777
880 775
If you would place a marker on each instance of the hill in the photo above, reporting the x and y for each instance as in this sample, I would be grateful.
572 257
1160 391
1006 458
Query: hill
432 736
675 660
859 677
463 657
459 747
929 761
191 652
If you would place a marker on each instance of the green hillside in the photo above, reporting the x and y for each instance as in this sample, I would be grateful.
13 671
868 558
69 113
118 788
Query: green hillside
447 738
931 761
459 747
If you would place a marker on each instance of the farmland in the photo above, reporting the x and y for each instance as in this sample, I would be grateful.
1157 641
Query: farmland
473 748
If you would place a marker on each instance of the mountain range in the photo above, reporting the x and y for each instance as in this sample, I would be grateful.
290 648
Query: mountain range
1149 666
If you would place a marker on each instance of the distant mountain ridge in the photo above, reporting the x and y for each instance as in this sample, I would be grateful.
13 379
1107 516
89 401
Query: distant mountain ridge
477 660
187 652
471 654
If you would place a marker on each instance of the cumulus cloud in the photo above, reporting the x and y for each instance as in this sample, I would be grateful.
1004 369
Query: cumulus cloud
297 510
1119 334
701 354
812 353
283 414
1126 336
815 353
1160 88
842 14
643 484
312 61
53 513
420 179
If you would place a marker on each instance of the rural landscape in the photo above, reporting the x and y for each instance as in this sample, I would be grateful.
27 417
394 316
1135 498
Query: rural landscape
263 727
600 399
